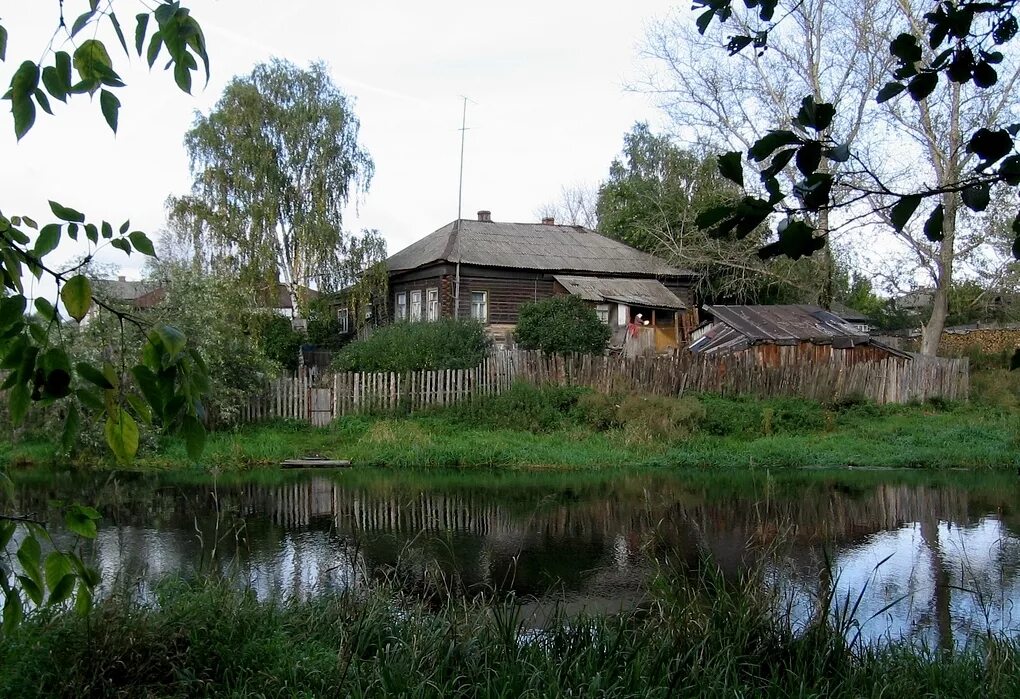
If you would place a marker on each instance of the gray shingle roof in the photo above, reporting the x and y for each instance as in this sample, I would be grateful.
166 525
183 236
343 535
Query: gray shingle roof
635 292
738 327
529 246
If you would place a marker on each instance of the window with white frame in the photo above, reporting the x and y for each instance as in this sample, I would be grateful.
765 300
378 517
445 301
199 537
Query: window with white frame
480 306
602 311
343 316
416 306
432 304
400 306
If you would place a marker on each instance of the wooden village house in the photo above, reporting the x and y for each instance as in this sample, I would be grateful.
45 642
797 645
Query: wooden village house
786 334
485 270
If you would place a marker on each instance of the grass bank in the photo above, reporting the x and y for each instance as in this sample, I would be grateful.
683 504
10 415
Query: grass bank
711 638
572 428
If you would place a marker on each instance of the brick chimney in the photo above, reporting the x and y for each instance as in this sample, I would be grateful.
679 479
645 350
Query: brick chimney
485 216
548 221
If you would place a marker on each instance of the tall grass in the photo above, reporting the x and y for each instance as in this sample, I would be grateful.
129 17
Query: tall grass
715 637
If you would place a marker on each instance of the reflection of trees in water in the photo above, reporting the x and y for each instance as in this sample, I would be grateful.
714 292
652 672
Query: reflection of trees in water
319 533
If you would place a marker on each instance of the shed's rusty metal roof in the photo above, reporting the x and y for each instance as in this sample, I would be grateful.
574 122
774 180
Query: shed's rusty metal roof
737 327
635 292
536 246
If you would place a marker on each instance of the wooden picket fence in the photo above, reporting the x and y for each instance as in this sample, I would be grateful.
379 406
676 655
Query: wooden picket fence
893 380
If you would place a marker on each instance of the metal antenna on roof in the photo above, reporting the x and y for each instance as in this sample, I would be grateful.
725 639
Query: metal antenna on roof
460 200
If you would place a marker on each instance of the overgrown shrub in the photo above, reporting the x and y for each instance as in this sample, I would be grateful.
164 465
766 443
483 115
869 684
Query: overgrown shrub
523 407
652 418
442 344
996 388
599 410
561 325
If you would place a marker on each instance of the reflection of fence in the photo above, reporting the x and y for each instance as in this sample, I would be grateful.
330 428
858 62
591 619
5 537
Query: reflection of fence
887 381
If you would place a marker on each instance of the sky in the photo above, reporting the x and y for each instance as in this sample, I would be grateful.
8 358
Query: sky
546 81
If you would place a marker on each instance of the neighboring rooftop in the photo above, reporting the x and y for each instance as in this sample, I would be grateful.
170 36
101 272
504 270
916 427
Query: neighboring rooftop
542 246
738 327
634 292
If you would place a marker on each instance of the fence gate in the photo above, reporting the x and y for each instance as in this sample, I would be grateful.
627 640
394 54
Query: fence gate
320 406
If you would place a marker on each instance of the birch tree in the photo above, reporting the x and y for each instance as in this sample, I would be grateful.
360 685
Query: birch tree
275 164
826 50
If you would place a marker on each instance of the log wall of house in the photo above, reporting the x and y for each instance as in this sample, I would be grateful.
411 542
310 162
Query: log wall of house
507 289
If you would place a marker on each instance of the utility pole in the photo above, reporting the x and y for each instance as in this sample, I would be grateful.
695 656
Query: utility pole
456 225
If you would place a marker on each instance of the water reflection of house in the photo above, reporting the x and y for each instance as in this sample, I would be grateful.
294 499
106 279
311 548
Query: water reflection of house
484 269
785 333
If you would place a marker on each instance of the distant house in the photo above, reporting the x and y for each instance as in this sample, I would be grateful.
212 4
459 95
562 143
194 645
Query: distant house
785 333
143 295
852 317
484 269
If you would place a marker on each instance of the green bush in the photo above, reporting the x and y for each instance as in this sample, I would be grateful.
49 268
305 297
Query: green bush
752 417
442 344
598 410
280 342
560 325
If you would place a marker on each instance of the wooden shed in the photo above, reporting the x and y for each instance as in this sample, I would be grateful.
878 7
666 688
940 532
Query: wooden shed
785 334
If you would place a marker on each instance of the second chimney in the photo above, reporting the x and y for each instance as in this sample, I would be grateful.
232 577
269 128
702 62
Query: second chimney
549 221
485 216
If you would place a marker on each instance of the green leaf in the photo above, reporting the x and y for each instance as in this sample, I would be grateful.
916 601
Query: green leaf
13 612
62 591
93 64
902 210
815 116
122 435
53 84
43 101
933 226
30 558
82 520
889 91
81 22
93 375
49 238
977 197
3 44
12 309
77 296
149 386
23 109
142 243
107 230
45 308
65 213
57 565
72 426
140 407
122 245
142 24
32 589
770 142
18 399
90 399
731 168
173 339
120 33
7 530
194 437
83 600
809 157
922 85
110 106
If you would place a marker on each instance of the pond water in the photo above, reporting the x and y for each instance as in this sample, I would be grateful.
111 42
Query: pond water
942 550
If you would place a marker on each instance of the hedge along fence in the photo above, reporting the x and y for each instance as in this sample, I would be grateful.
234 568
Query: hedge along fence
346 393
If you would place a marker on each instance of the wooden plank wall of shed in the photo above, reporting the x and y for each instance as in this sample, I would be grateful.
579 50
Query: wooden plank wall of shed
770 355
